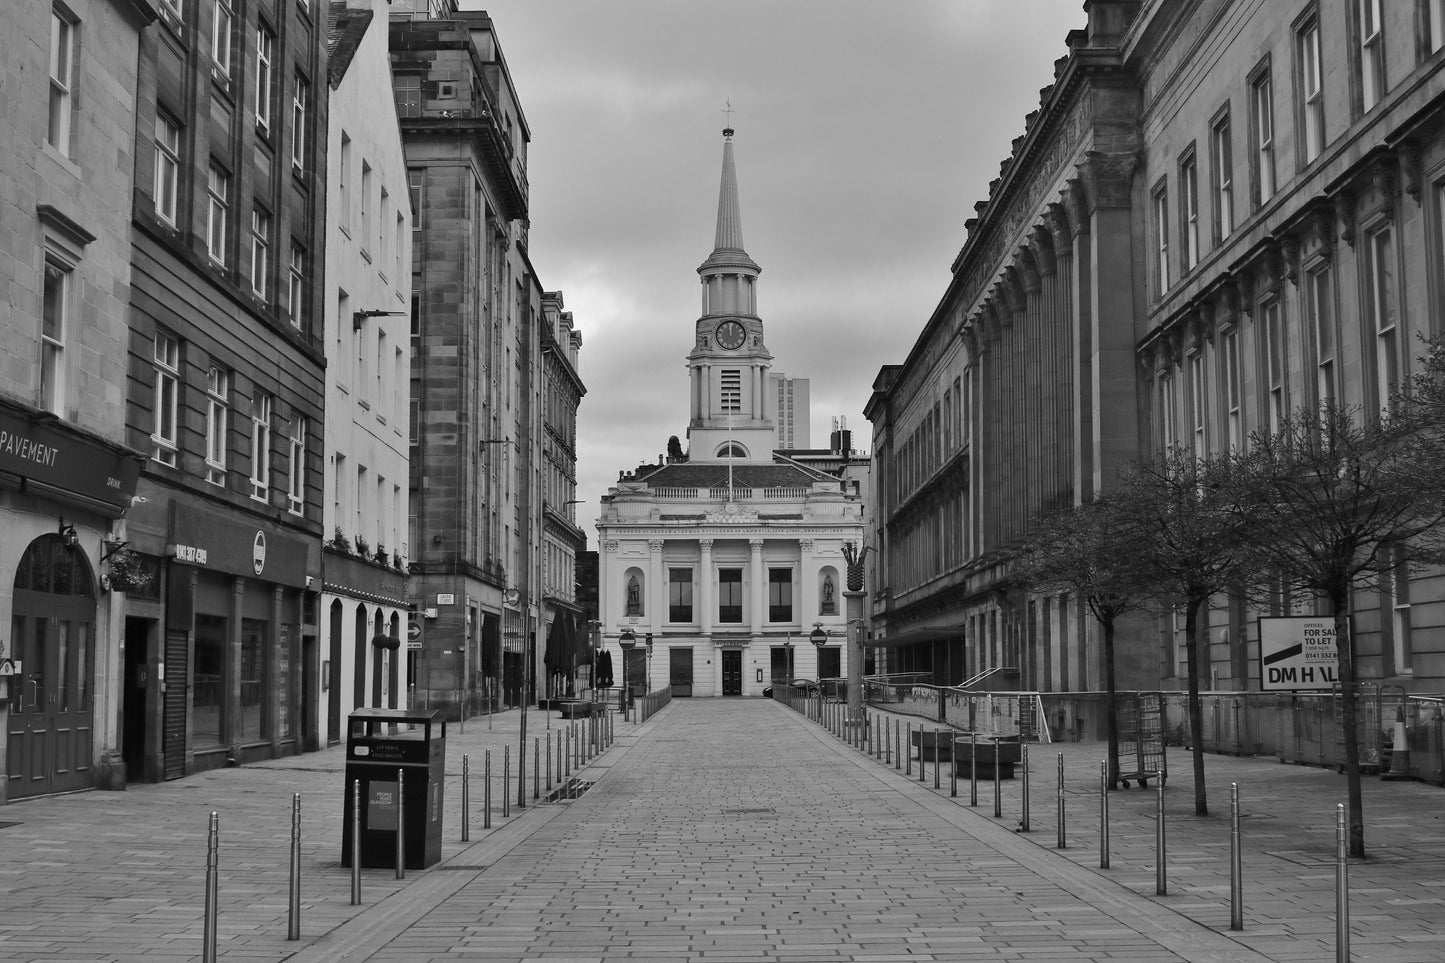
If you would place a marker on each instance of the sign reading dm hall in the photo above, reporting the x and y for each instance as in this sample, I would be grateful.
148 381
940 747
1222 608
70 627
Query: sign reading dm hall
50 453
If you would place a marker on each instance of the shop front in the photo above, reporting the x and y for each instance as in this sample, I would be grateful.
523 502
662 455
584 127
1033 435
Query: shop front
238 659
62 492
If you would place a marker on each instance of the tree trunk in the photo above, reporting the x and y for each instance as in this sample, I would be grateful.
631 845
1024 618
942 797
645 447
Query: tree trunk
1349 720
1196 712
1111 703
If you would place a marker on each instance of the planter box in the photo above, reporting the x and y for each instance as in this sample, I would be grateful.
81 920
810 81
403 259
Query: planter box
1009 752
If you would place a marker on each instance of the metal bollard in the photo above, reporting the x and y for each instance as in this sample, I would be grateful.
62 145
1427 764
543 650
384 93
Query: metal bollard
1342 886
400 826
1104 814
1063 844
568 754
549 762
487 790
213 887
1024 789
889 730
937 740
559 755
1236 863
356 842
908 744
952 763
536 768
877 738
972 767
922 756
466 812
506 781
293 925
1161 882
997 784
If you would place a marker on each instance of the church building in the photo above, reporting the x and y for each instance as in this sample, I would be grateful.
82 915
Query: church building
722 561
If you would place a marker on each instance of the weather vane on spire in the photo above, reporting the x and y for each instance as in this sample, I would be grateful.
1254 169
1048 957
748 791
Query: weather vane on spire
728 114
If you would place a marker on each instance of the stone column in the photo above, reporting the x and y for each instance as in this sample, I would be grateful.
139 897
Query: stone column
758 595
656 588
707 609
807 607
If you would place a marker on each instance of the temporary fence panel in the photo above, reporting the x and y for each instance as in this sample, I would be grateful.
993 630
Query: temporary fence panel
1141 735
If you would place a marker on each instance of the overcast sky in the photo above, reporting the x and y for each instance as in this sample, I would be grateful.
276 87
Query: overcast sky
865 133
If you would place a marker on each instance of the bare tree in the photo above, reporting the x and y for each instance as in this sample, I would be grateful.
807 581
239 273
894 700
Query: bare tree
1087 551
1334 498
1184 525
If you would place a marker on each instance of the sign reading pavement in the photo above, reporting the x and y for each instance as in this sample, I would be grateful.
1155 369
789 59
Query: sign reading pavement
1297 653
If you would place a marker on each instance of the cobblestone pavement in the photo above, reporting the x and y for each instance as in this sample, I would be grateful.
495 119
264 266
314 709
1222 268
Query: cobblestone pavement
730 830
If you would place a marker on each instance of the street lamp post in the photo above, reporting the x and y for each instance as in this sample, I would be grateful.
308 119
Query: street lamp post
628 642
819 638
788 670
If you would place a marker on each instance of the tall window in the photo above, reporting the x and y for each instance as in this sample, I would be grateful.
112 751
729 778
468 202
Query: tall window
1169 409
1198 405
298 123
381 227
400 243
1262 107
407 92
218 411
1189 208
365 205
53 322
679 595
343 177
1221 154
1311 84
166 357
260 250
296 286
168 166
780 595
1229 344
1274 366
1397 600
1321 323
296 467
265 75
221 27
1380 293
1372 52
218 188
1434 24
62 79
415 181
730 595
261 446
1161 238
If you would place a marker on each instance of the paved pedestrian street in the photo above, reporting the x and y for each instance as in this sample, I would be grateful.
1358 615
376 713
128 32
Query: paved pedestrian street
735 831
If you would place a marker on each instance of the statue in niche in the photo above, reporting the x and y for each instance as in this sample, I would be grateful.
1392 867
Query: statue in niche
634 597
828 608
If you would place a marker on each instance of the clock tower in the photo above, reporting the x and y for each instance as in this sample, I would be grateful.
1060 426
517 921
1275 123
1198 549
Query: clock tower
729 362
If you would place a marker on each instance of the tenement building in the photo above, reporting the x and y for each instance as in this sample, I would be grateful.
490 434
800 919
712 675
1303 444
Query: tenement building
368 376
67 473
1221 211
488 358
720 562
226 383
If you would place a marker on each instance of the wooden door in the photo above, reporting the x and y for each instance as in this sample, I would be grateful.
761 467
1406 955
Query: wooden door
732 672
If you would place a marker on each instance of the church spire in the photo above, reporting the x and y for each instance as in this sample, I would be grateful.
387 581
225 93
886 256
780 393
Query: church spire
728 250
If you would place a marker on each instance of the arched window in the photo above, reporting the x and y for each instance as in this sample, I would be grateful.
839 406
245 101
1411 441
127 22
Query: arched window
732 450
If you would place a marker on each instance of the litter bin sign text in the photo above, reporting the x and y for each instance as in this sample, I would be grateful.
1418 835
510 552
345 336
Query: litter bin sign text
381 806
1297 653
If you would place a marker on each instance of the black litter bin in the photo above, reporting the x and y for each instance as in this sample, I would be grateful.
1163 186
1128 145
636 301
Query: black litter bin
379 742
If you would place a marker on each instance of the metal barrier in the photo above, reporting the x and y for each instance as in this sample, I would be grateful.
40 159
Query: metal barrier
1302 728
646 706
1004 714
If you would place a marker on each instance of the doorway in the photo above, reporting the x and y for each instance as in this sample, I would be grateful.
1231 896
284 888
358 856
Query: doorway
732 672
136 707
52 632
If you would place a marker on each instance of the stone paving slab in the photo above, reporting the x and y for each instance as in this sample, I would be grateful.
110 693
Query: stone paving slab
669 856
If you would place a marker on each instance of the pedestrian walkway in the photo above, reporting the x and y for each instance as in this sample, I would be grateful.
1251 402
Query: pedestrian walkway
729 830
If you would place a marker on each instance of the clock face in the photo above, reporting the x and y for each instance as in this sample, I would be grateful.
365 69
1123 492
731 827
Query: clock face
731 334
